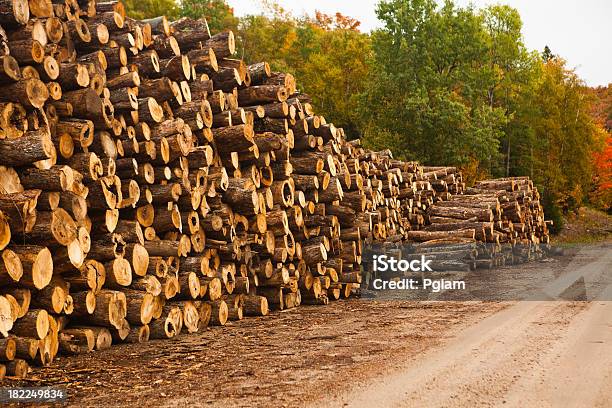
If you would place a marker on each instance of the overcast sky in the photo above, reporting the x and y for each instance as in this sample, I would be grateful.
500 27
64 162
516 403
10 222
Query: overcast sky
578 30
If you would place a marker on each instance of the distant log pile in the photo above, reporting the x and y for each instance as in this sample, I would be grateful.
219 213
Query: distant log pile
152 185
494 223
497 222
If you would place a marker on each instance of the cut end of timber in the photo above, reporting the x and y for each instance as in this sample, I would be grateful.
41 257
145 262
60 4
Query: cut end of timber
102 33
51 67
12 264
231 43
36 92
11 67
140 260
42 269
76 254
6 320
5 231
21 11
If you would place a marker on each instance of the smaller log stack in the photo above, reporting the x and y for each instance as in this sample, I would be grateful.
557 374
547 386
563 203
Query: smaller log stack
522 230
446 181
503 215
398 194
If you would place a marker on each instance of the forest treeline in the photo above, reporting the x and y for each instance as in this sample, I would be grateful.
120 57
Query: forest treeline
438 83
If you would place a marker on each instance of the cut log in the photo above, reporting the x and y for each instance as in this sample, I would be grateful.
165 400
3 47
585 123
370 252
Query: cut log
76 340
29 92
35 324
37 265
219 313
255 305
18 368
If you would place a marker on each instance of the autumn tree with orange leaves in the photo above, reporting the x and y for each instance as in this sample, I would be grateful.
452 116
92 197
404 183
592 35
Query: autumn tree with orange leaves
336 22
602 111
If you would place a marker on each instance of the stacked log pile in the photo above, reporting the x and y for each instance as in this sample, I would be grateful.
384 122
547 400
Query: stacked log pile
520 230
503 216
398 213
399 193
152 185
429 211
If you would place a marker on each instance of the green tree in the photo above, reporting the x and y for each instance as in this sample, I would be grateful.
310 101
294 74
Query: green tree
327 54
547 54
141 9
512 76
218 14
429 84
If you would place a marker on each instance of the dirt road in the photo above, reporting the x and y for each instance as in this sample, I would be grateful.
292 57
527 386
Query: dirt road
535 353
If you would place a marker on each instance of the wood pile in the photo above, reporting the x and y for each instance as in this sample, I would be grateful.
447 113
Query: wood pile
520 232
399 193
152 185
501 220
428 211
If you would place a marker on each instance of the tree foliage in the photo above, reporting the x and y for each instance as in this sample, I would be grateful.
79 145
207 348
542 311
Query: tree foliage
326 53
443 75
141 9
218 14
602 160
566 135
452 85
